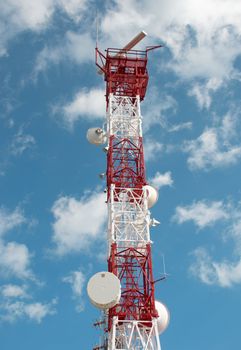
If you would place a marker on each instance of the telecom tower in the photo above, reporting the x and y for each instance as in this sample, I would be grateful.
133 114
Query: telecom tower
133 319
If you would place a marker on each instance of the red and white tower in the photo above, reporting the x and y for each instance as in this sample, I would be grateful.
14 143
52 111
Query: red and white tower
126 291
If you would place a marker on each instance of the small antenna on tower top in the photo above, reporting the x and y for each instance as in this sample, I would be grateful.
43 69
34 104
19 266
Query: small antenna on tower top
164 274
97 27
164 265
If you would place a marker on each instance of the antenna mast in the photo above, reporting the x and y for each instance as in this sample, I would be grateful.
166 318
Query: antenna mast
126 291
97 28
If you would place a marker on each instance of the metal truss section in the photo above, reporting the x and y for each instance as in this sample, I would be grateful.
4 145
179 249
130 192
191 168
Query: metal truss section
125 163
134 335
131 324
129 217
133 267
124 117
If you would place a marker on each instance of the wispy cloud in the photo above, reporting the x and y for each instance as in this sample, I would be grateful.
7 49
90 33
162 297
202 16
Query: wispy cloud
14 291
203 92
73 47
227 271
155 110
36 16
181 126
76 279
15 260
38 311
73 8
216 146
16 146
12 311
21 142
78 222
88 105
160 180
224 274
152 149
202 213
10 219
207 151
17 303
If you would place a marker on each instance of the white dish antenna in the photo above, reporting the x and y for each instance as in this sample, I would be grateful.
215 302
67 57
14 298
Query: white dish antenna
163 316
96 136
152 195
104 290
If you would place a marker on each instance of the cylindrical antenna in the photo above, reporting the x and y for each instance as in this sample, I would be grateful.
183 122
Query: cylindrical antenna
134 41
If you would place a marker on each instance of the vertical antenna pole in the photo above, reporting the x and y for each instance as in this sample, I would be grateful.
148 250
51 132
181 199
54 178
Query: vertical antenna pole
97 28
164 265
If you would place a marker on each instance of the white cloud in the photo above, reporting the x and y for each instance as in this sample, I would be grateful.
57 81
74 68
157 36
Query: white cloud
203 92
17 16
10 220
13 311
77 280
38 311
78 48
74 8
13 291
203 39
15 260
85 104
160 180
15 305
27 15
21 142
206 58
230 126
152 149
202 213
181 126
207 151
155 109
203 266
78 223
223 274
215 147
127 20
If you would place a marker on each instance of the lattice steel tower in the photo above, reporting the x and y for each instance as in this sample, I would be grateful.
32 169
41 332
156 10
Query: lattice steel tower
125 292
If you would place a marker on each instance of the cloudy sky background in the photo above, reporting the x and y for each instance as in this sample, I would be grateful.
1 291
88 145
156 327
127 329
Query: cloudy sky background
52 211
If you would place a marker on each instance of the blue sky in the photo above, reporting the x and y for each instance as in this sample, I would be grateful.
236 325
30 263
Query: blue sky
52 211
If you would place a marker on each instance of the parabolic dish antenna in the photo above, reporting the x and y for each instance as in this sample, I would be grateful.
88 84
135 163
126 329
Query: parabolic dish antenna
164 316
96 136
104 290
152 195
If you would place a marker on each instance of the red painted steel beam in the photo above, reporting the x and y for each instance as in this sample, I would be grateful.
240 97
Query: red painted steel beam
125 163
133 266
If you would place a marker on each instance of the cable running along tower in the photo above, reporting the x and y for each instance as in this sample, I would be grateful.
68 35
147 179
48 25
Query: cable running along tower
133 319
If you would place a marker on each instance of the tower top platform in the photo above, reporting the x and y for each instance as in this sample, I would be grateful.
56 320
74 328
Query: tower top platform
125 71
